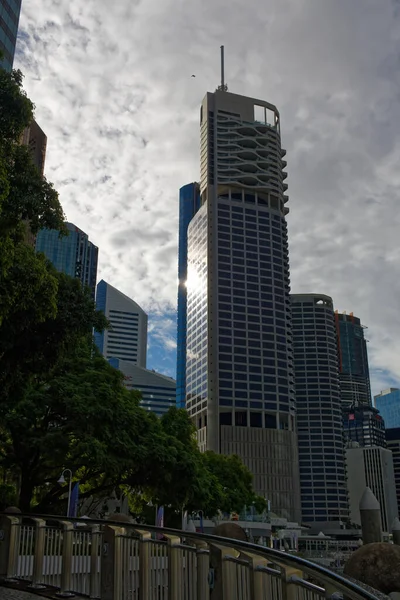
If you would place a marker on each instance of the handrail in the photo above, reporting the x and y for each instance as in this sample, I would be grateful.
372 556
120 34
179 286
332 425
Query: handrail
349 588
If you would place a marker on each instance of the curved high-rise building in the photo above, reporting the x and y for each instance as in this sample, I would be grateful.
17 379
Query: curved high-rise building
319 411
240 372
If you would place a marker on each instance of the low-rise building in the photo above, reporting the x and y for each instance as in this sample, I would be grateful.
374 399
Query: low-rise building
158 391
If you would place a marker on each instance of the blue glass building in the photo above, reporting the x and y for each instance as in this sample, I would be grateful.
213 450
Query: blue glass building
73 254
355 387
158 391
9 19
388 404
319 411
189 204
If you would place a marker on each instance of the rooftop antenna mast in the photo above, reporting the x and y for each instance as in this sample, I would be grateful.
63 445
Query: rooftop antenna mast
223 87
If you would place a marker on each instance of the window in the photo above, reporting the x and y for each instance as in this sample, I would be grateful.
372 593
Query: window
270 421
241 418
225 418
255 419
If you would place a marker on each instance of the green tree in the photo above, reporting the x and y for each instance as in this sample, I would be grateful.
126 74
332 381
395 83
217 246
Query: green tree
80 417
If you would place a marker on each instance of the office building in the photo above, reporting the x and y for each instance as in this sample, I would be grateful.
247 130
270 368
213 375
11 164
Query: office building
158 391
363 424
239 367
393 444
353 360
388 404
35 138
126 339
73 254
373 468
9 19
319 415
189 204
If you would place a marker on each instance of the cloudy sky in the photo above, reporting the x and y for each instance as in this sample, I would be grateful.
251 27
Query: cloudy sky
113 89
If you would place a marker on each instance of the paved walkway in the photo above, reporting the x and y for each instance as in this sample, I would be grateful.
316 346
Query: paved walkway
11 594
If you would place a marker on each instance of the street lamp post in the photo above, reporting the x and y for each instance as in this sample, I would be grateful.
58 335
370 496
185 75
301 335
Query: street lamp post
62 480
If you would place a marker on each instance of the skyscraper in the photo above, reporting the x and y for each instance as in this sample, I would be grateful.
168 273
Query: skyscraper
9 19
73 254
189 204
126 340
319 414
353 360
388 404
35 138
240 372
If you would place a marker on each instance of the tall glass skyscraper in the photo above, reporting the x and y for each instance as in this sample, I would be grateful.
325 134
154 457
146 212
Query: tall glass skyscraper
73 254
9 19
240 372
189 204
355 386
319 414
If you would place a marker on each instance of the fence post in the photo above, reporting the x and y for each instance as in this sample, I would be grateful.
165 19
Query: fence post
144 563
203 569
224 572
256 576
38 558
66 565
94 561
9 547
289 587
175 571
111 563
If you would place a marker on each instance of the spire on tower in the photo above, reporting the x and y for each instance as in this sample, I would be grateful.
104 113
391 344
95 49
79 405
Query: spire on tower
223 87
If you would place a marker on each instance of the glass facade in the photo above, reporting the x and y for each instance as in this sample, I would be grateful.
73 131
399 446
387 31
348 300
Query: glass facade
319 414
355 384
189 204
73 254
388 404
197 312
9 19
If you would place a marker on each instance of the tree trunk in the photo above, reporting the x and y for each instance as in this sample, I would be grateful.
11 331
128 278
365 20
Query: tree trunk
25 493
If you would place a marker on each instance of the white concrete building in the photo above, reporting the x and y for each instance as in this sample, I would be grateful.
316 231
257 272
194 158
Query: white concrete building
372 467
127 338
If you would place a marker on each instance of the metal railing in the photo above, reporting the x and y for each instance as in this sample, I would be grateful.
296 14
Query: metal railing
114 560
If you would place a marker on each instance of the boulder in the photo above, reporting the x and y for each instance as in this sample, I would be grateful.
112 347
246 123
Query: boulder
377 565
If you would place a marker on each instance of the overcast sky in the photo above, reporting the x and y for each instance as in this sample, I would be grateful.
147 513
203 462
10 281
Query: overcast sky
114 93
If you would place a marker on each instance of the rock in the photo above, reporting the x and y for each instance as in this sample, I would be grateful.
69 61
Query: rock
12 510
377 565
230 530
120 518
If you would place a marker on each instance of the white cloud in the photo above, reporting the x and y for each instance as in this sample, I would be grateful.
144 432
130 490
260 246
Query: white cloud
113 88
